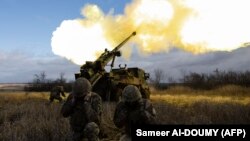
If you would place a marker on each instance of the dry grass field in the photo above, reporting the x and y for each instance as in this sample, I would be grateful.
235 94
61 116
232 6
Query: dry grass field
29 117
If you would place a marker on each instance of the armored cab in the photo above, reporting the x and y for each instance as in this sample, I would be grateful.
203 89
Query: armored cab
121 77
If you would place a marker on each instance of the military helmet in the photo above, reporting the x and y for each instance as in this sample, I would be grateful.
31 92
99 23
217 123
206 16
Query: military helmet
131 94
81 87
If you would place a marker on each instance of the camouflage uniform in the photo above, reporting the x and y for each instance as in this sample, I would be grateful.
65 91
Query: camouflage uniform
132 109
84 109
56 93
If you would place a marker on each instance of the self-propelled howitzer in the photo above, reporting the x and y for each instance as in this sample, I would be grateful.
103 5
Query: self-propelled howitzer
93 71
109 85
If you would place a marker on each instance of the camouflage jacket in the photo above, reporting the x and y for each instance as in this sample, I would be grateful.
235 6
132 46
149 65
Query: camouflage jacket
56 91
82 110
141 112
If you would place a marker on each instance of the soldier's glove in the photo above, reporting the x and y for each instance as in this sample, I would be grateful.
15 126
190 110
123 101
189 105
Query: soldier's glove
87 103
87 98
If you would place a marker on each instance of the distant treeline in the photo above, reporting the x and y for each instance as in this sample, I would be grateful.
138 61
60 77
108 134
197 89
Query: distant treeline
204 81
42 87
193 80
41 83
216 79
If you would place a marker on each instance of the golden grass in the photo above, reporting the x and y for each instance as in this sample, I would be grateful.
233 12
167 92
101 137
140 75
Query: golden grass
227 90
226 105
190 99
183 95
28 116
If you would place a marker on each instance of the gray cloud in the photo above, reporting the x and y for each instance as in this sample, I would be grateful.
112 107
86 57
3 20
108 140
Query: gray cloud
177 62
21 67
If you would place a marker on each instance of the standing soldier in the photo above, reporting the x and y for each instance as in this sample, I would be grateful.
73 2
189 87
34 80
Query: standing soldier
56 93
84 109
132 109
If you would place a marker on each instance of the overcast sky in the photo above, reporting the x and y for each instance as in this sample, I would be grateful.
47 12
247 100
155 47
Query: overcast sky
26 29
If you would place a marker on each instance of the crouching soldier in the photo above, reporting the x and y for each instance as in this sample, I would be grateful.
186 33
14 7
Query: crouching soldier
56 93
84 109
133 109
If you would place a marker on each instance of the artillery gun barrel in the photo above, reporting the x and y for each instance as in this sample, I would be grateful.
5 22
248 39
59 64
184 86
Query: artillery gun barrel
122 43
108 56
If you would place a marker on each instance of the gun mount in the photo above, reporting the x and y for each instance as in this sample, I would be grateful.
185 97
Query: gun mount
110 84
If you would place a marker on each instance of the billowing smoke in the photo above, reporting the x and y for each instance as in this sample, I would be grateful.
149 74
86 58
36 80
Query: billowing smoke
193 25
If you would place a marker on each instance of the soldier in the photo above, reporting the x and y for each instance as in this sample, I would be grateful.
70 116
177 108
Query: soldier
56 93
84 109
132 109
